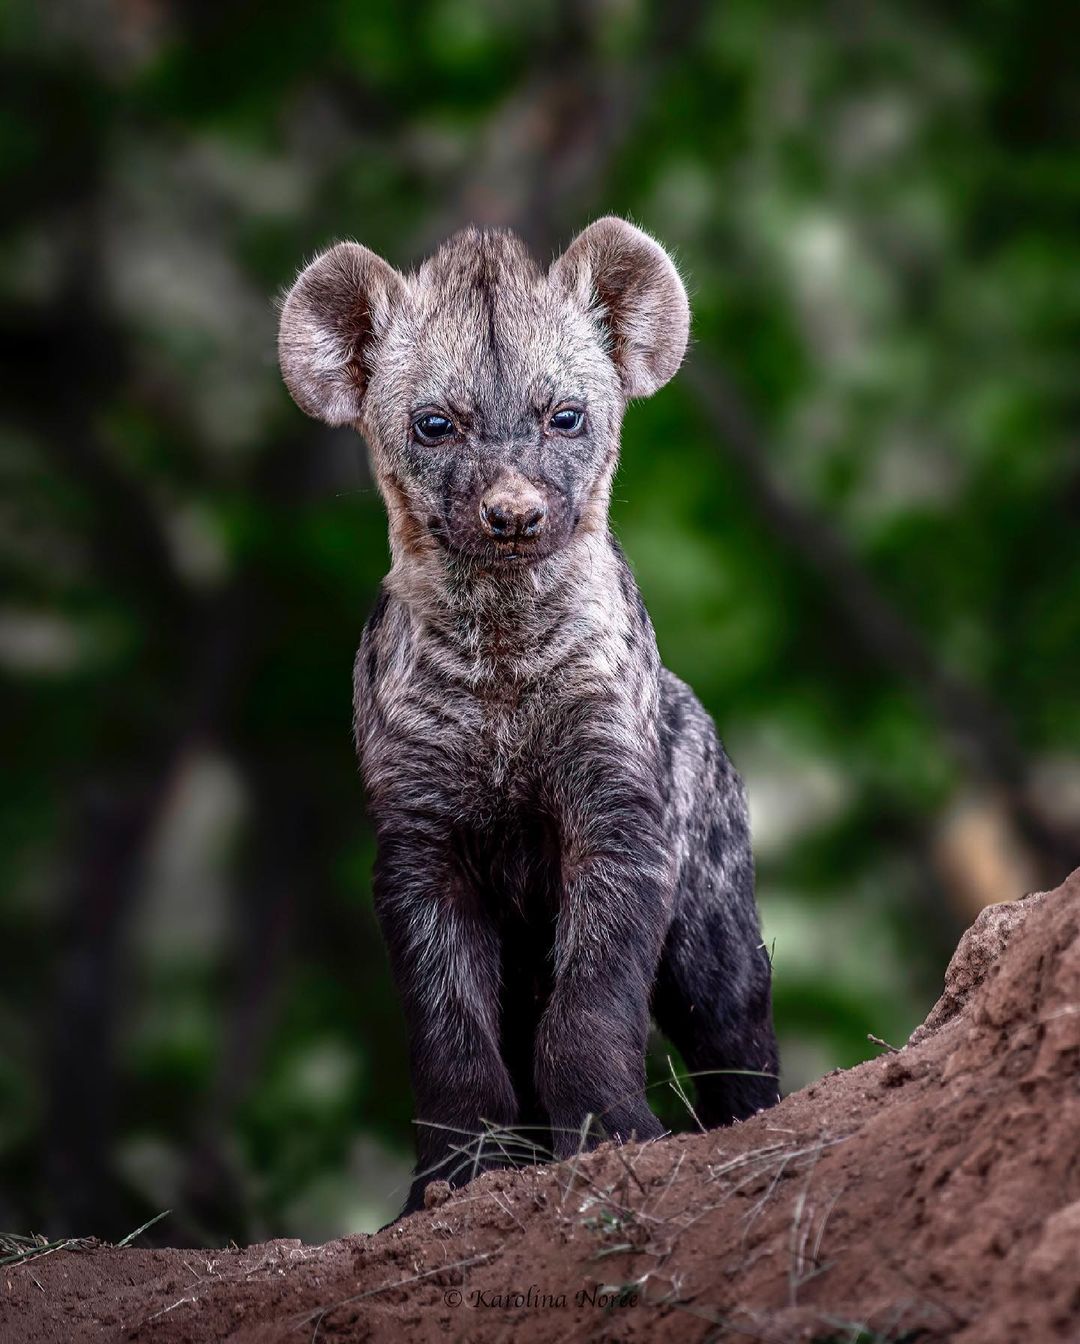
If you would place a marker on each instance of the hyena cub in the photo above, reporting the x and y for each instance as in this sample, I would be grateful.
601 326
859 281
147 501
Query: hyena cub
562 841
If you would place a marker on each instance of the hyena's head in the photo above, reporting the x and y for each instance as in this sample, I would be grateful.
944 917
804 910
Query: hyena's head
491 392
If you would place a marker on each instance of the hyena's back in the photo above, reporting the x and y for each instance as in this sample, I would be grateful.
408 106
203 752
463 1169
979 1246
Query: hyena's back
712 995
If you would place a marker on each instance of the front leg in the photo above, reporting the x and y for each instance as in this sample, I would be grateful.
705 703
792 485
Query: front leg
445 958
591 1041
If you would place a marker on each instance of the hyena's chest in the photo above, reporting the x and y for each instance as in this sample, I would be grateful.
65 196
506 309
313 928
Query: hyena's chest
501 757
471 751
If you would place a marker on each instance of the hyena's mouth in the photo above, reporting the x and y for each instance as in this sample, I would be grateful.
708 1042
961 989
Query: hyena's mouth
516 554
496 555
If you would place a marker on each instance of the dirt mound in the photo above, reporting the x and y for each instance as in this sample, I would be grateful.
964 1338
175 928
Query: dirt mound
931 1194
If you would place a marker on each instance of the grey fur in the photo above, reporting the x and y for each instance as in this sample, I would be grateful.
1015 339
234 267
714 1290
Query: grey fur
563 843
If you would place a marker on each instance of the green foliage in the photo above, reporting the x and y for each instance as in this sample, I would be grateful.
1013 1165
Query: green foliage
875 213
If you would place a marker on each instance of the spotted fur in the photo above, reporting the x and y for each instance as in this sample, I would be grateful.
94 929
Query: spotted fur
562 842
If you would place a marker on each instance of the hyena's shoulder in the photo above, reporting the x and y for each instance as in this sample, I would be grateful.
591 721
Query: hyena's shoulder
688 736
378 631
698 776
381 659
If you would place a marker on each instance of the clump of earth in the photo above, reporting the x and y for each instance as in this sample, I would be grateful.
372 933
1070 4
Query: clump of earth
929 1194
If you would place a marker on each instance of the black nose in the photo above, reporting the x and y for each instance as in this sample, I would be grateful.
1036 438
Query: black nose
506 518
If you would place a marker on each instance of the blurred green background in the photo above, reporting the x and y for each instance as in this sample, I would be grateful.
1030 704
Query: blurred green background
854 518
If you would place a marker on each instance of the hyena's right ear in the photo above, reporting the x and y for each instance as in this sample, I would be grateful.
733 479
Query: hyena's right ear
630 287
338 308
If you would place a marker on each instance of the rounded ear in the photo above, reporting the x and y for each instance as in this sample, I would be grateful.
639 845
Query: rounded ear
631 287
336 311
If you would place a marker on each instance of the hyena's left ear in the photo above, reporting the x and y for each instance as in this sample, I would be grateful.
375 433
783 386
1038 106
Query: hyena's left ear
331 322
631 288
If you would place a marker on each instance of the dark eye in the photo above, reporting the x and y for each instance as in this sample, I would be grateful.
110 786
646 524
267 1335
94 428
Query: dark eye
433 428
567 421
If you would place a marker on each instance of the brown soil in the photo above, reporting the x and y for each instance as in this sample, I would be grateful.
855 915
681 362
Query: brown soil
931 1194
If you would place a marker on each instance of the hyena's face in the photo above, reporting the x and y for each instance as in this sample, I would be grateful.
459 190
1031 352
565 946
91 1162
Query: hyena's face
491 393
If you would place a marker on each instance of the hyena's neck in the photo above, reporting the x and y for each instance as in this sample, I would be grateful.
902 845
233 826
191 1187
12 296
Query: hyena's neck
514 624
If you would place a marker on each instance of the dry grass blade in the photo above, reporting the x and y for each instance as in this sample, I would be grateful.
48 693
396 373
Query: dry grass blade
18 1249
676 1085
132 1236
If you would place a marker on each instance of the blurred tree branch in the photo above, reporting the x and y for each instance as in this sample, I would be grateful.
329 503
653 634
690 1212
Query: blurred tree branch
969 720
543 159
